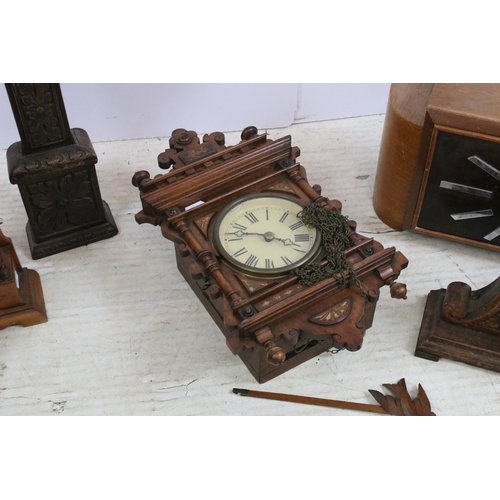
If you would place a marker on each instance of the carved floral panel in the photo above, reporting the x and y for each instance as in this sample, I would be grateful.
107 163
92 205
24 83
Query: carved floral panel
43 123
64 202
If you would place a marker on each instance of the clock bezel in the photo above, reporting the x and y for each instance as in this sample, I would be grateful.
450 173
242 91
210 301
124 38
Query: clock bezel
251 271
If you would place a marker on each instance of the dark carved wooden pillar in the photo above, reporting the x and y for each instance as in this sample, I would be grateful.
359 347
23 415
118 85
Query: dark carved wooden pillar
54 168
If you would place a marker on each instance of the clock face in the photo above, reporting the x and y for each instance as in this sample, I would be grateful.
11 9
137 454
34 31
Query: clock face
462 195
261 234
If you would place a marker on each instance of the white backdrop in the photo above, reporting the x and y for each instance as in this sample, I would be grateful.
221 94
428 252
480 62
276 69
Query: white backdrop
120 111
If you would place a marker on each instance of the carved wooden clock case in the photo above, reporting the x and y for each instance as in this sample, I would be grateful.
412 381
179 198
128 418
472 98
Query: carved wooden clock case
232 213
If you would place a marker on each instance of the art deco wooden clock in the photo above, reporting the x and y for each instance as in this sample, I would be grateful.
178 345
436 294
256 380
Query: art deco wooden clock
439 165
281 271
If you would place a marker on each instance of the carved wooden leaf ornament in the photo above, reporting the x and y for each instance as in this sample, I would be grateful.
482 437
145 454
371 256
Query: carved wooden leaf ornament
402 404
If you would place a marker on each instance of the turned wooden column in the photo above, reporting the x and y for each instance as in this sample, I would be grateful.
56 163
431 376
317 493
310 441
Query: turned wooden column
54 168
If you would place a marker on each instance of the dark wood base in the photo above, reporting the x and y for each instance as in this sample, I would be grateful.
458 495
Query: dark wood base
441 339
32 312
106 229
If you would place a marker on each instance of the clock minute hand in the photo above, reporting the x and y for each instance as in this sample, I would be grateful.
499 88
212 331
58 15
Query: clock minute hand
268 236
241 233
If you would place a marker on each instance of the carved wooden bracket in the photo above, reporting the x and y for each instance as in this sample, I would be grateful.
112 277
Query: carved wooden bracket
462 325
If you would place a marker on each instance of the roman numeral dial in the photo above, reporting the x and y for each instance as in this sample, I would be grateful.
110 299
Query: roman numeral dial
263 235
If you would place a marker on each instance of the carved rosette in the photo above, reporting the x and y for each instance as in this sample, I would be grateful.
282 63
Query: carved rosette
39 113
62 203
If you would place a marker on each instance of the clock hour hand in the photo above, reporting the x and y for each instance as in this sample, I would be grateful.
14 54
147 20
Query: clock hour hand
287 241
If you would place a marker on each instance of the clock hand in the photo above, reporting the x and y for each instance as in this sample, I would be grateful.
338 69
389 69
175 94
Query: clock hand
241 233
268 236
286 241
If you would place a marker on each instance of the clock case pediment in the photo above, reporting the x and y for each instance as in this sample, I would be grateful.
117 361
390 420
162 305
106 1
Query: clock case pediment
272 323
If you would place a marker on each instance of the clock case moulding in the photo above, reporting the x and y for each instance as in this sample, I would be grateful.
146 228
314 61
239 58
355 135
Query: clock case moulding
273 324
431 134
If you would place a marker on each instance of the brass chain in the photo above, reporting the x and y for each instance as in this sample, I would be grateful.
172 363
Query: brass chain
334 230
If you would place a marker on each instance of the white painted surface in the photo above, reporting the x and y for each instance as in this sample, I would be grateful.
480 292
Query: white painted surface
127 336
114 111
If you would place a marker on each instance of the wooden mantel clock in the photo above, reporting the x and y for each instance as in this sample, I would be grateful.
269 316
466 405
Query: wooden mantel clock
268 276
439 166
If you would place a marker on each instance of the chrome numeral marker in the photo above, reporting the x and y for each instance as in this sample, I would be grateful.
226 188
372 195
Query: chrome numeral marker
252 260
484 193
251 217
485 166
472 215
493 234
241 251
